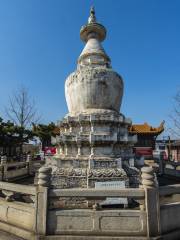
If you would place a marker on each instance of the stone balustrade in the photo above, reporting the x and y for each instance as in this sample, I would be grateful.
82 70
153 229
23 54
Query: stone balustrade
18 209
170 168
156 215
13 170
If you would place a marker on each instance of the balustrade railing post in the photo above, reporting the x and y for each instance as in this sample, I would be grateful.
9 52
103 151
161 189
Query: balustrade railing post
3 160
30 165
44 182
4 167
151 201
161 163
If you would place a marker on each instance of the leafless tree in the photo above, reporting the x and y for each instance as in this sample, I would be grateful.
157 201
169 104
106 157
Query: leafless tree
175 117
22 109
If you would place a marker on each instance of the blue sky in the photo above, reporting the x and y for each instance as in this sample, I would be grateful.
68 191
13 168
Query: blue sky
39 46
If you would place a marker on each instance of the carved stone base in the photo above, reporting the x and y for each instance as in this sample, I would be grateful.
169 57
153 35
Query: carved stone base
85 178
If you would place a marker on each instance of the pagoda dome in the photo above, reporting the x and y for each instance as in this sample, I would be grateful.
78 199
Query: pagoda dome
94 85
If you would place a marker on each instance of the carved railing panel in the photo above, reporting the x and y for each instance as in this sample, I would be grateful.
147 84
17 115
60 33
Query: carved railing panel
92 198
18 193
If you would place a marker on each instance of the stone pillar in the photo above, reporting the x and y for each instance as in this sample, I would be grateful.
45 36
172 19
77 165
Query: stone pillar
151 201
65 149
92 150
3 160
78 150
147 177
70 128
44 182
29 163
60 149
28 158
91 140
161 164
92 127
3 167
44 176
80 123
81 129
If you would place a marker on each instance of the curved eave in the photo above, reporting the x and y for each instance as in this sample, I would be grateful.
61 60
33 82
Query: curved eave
155 133
138 129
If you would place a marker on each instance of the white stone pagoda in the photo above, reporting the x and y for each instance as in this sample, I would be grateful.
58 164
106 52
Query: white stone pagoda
93 144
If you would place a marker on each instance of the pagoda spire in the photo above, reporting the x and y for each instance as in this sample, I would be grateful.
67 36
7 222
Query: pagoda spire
93 33
92 17
92 28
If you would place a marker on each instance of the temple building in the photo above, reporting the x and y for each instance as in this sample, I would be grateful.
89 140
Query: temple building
146 137
93 143
175 151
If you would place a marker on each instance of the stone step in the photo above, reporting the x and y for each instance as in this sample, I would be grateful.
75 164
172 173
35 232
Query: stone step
71 237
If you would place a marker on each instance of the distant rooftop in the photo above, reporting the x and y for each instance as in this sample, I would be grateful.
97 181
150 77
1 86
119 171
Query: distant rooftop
146 129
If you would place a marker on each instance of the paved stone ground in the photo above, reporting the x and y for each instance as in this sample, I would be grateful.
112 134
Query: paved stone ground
7 236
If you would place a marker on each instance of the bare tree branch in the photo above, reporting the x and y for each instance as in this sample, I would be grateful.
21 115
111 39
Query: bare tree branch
175 117
22 110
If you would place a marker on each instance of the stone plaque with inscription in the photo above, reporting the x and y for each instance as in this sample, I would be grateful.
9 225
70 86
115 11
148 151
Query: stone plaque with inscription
112 185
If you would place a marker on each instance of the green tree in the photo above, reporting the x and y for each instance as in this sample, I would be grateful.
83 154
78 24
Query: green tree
13 137
44 132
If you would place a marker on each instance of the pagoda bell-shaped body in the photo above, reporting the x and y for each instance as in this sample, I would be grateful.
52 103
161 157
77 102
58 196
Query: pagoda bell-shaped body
94 85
